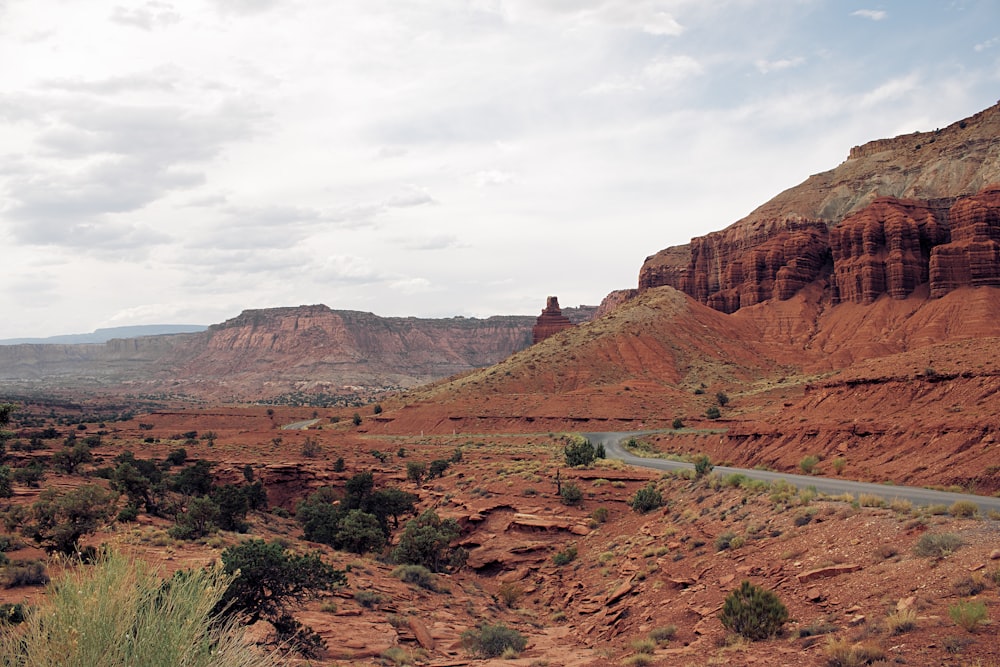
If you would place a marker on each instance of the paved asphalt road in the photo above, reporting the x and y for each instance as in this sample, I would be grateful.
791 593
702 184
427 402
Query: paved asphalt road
826 485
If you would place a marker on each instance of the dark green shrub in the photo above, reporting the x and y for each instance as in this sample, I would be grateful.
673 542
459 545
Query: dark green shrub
437 468
702 465
61 518
25 573
723 541
359 532
128 513
646 499
570 494
369 599
356 419
198 519
579 453
425 541
12 614
338 465
177 457
713 412
678 423
491 641
753 612
600 452
30 475
6 482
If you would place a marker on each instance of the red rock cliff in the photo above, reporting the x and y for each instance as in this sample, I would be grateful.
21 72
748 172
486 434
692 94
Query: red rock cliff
878 223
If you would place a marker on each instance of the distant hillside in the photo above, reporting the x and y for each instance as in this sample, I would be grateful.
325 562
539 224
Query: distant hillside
104 335
276 352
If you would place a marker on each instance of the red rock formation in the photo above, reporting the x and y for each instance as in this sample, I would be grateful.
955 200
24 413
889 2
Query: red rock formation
782 245
550 322
972 258
885 248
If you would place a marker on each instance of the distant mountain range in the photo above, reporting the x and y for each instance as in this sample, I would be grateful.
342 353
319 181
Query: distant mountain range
101 336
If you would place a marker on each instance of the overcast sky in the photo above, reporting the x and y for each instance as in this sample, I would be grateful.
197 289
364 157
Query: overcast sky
178 161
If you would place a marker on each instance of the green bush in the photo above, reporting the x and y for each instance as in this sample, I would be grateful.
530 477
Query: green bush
415 471
570 494
24 573
968 614
677 424
753 612
702 465
425 541
713 412
646 499
808 464
369 599
579 452
492 641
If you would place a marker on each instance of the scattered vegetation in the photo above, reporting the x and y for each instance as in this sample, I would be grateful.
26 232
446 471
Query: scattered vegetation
753 612
646 499
493 641
937 545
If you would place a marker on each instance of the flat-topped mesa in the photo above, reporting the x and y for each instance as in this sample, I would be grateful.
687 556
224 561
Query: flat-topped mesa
550 322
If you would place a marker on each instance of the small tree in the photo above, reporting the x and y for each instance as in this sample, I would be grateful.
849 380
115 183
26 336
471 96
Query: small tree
425 541
359 532
579 453
571 494
377 410
356 419
268 581
415 471
753 612
437 468
60 519
722 399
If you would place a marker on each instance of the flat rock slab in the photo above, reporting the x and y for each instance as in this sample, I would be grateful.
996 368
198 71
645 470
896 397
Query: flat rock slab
824 572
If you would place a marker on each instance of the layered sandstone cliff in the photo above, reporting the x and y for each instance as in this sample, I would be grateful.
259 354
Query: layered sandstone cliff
876 224
550 322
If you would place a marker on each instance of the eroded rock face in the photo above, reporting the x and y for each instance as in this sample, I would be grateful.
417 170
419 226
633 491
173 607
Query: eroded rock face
972 258
885 248
550 322
879 223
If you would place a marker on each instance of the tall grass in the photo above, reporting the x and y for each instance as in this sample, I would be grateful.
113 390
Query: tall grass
119 612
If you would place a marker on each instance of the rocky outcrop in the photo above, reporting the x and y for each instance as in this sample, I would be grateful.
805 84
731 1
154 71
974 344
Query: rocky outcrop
878 223
885 248
972 258
550 322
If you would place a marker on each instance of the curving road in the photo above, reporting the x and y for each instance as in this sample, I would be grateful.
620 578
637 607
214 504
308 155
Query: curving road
825 485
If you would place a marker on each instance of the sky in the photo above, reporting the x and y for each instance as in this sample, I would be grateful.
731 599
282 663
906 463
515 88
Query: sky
179 161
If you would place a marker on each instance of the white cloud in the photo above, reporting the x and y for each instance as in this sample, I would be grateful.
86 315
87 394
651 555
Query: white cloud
149 16
986 45
873 14
768 66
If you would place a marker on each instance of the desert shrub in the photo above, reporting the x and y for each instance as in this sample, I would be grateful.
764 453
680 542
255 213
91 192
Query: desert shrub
713 412
753 612
119 612
127 513
492 641
60 518
358 532
702 465
356 419
194 480
566 556
369 599
510 593
198 519
600 514
723 541
963 508
646 499
842 653
643 645
677 424
418 575
937 545
267 580
570 494
13 613
579 452
871 500
437 468
968 614
415 471
24 573
900 621
663 634
722 399
839 464
425 541
30 475
177 457
969 585
69 459
820 627
808 464
6 482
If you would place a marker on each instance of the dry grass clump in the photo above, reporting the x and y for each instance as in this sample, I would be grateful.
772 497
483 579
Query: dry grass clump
900 621
119 612
963 508
843 653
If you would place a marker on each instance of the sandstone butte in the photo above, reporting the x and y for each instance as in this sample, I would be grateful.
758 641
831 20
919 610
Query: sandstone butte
918 209
550 322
